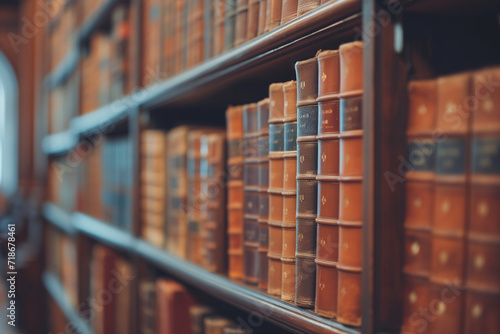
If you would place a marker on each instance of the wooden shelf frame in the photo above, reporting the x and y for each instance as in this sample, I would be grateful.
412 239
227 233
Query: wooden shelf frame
57 292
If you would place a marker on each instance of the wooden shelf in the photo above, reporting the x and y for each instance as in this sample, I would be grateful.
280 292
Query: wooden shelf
58 294
250 299
59 218
59 143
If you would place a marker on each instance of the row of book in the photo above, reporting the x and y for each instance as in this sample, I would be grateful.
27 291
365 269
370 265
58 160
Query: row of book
62 28
452 226
293 182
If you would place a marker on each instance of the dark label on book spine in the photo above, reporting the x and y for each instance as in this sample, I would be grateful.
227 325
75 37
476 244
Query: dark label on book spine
307 158
307 121
263 206
486 156
264 174
251 147
263 146
421 155
276 137
263 236
451 156
306 237
251 203
234 148
307 193
251 174
329 117
251 231
291 136
351 113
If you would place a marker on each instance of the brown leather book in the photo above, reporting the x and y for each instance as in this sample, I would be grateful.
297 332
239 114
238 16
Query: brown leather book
422 111
482 301
195 32
197 314
276 161
235 197
262 17
273 14
253 19
307 165
305 6
450 213
230 24
212 201
241 22
172 306
180 41
101 271
151 42
251 181
124 305
167 66
289 191
235 329
328 183
219 26
263 152
215 324
289 10
147 307
350 184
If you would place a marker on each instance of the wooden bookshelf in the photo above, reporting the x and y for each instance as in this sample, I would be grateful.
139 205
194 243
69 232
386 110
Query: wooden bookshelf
58 294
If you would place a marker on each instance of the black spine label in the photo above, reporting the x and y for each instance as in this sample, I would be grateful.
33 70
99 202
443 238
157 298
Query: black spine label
486 156
329 116
251 231
263 146
276 138
307 121
351 113
291 136
451 156
234 148
421 155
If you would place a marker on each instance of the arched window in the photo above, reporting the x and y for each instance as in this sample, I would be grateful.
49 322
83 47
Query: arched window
8 128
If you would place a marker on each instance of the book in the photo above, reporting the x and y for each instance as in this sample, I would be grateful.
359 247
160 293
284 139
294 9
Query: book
216 324
251 189
304 6
124 291
327 239
168 43
263 153
276 160
289 10
252 19
262 17
173 302
483 287
307 161
289 191
198 314
151 37
241 24
219 27
147 306
235 197
350 184
421 146
230 24
449 223
273 14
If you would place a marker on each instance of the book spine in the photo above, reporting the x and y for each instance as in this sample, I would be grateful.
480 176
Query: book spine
147 302
208 31
273 14
180 34
251 176
241 22
253 19
289 191
262 17
327 238
421 148
307 160
219 26
235 196
289 10
263 151
483 287
305 6
230 25
276 161
350 184
451 195
194 197
168 39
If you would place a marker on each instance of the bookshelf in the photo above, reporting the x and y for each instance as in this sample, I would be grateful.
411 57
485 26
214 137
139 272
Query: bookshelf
386 75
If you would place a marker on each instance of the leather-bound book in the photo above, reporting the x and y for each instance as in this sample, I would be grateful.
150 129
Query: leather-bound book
208 31
450 213
167 64
235 197
241 22
212 201
262 17
276 161
253 19
198 313
328 183
251 187
482 304
350 184
273 14
151 41
422 109
101 271
194 225
172 306
215 324
177 190
307 167
289 191
289 10
230 24
305 6
195 32
219 26
232 329
124 306
180 34
263 152
147 307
